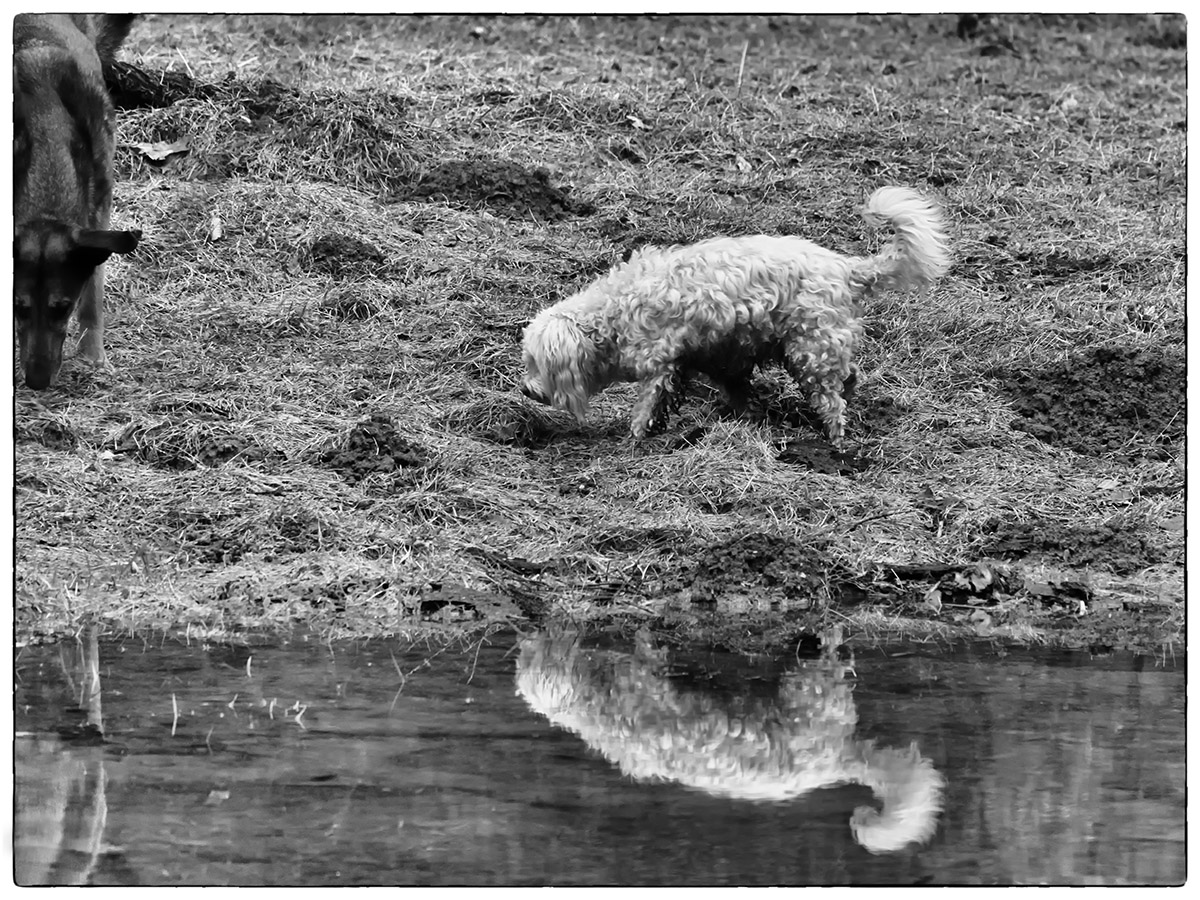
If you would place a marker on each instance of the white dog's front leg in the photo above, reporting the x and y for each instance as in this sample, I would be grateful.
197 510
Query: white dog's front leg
821 377
658 397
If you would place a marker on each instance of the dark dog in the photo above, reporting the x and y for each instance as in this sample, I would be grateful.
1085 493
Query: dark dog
63 124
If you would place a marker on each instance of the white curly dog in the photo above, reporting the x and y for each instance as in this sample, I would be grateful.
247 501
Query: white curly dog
723 306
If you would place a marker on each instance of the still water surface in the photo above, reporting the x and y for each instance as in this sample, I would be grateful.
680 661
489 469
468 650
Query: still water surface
545 760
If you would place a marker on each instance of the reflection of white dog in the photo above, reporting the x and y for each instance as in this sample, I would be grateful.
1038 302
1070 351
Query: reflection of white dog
801 740
723 306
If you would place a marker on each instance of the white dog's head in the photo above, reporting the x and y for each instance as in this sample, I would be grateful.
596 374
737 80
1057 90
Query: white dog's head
561 364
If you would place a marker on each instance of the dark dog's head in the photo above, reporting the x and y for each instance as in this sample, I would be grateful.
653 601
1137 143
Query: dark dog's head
52 264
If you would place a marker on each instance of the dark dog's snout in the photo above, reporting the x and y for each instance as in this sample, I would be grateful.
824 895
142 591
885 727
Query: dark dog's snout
39 373
37 379
41 355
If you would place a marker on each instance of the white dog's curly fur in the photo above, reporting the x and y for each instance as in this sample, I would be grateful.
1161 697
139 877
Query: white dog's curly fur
723 306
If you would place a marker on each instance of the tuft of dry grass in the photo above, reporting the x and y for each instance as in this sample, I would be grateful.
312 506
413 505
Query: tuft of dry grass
314 418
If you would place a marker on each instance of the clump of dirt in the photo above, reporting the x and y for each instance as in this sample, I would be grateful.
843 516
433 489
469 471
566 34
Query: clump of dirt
221 539
355 137
343 256
332 596
455 603
132 87
816 455
504 420
632 540
505 187
493 96
373 447
50 434
1106 400
168 446
1166 32
561 112
209 540
876 414
1086 546
351 305
757 569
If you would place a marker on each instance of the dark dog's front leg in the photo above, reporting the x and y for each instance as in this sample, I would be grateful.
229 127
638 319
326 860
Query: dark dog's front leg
91 320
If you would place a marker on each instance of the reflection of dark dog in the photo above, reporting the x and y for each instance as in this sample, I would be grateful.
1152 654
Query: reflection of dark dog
63 125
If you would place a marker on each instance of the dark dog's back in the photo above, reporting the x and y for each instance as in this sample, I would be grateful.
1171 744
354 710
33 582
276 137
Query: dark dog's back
63 125
62 117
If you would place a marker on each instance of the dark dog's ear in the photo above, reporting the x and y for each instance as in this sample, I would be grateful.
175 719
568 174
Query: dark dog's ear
92 247
112 241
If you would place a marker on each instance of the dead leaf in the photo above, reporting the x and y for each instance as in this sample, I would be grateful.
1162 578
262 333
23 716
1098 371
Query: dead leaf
1039 589
637 123
161 151
216 798
933 600
980 578
1175 523
981 620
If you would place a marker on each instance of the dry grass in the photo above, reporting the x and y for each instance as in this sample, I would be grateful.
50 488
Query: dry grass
199 486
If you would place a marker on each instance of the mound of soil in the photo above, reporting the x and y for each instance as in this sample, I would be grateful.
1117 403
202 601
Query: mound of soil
1105 547
50 434
168 447
559 112
506 188
1106 400
758 567
504 420
219 539
131 87
343 256
374 446
632 540
816 455
351 306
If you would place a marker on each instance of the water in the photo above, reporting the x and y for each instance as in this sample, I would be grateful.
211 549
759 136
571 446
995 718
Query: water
371 764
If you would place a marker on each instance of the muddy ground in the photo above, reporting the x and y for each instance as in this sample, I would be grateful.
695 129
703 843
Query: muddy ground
314 421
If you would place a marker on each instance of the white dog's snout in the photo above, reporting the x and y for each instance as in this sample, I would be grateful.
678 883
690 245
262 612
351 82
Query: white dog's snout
533 393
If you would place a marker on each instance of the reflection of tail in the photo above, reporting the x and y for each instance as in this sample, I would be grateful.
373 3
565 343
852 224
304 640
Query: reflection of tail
911 791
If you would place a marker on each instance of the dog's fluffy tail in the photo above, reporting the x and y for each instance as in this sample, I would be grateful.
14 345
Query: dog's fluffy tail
916 255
